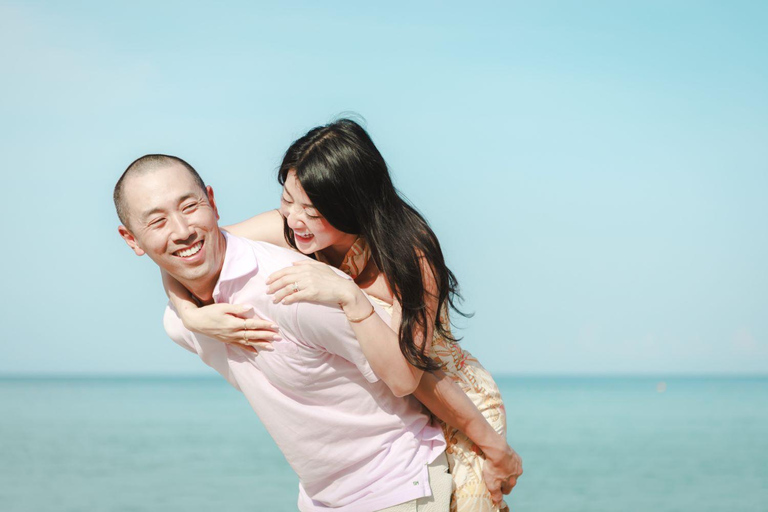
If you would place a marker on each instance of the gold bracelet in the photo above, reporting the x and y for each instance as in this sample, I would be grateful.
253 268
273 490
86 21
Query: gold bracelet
358 320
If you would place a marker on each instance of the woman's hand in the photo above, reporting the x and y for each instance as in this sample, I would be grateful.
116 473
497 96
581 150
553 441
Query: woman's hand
232 323
311 281
501 470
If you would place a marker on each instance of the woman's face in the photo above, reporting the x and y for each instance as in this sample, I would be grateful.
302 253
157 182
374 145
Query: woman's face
311 231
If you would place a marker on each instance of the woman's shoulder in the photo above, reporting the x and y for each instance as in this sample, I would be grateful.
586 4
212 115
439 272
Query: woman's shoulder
375 284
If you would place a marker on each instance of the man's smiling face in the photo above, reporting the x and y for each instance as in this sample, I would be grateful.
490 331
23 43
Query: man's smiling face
174 221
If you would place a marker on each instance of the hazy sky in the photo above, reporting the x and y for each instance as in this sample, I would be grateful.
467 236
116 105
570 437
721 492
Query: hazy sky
597 172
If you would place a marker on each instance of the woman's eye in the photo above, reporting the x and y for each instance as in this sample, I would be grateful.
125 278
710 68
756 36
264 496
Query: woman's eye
313 216
284 200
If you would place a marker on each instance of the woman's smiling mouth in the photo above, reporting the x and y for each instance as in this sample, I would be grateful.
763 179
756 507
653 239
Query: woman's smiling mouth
304 237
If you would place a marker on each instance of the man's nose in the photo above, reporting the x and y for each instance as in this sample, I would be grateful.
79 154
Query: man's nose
181 229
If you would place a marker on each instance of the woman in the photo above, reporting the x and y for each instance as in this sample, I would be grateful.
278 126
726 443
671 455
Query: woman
339 205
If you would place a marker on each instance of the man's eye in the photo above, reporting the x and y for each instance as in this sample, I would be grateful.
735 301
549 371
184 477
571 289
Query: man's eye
190 207
157 222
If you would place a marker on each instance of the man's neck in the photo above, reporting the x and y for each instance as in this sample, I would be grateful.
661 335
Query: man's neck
202 290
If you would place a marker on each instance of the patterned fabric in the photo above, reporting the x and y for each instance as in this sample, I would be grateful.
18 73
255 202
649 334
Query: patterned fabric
354 261
465 458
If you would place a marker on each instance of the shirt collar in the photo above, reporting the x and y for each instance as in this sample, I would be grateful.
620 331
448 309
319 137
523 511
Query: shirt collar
239 262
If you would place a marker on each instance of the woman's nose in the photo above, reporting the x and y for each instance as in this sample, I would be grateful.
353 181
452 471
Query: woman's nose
293 217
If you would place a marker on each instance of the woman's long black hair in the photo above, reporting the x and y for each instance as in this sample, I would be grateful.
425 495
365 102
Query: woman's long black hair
348 182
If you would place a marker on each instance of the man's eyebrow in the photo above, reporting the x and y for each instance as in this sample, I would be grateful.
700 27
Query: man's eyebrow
153 211
150 213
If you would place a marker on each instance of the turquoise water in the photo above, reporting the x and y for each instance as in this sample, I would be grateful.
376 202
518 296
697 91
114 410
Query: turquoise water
588 444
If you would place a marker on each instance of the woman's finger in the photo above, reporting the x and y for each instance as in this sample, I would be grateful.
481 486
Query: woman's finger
240 343
259 346
283 282
303 295
259 336
284 287
508 485
231 324
287 271
257 324
238 310
229 309
495 490
289 290
308 262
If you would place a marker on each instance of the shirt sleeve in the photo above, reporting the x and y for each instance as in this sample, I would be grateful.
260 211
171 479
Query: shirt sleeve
327 327
212 352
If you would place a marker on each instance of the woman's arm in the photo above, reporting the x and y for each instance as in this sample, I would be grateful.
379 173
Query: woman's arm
179 296
380 345
228 323
379 342
446 400
264 227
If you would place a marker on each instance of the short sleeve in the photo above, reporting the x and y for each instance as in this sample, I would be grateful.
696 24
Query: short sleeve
327 328
212 352
175 330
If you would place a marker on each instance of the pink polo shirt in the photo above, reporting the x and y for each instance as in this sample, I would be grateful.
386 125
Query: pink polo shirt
354 445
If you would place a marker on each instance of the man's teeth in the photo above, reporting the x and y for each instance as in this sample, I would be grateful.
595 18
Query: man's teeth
192 250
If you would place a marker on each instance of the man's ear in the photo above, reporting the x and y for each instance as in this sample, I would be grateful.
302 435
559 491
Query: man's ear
130 240
209 191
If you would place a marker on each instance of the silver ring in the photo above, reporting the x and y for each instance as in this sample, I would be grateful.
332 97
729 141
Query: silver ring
295 287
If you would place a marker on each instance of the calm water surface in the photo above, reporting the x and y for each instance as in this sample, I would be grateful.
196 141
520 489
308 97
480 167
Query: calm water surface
588 444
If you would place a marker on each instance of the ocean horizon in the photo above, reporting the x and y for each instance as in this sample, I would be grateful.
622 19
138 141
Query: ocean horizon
192 443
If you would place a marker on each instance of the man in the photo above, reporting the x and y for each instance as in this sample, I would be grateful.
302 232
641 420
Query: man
354 445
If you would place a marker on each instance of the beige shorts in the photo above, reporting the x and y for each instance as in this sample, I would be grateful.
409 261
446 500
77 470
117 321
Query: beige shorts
441 483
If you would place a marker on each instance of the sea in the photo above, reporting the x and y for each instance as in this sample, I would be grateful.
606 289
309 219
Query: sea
193 444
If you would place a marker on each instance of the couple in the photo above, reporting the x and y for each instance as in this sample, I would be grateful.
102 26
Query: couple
338 353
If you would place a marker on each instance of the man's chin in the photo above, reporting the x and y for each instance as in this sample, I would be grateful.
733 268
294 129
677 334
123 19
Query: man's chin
185 273
189 275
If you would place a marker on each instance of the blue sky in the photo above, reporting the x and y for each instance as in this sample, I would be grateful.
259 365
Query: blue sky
596 171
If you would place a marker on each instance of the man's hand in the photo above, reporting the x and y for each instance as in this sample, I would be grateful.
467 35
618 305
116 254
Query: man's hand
501 471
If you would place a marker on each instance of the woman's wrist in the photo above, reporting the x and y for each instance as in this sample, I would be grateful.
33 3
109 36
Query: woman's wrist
496 448
187 319
354 302
188 315
493 445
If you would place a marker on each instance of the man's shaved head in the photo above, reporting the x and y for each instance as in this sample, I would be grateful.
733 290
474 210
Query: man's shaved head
144 165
